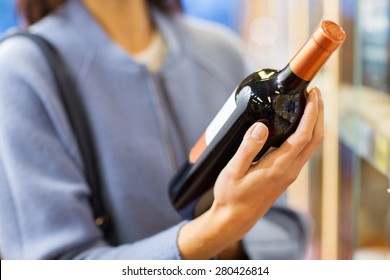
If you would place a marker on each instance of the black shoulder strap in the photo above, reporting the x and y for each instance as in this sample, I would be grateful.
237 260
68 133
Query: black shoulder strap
79 123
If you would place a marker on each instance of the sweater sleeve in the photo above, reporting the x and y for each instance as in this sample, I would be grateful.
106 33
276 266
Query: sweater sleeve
44 202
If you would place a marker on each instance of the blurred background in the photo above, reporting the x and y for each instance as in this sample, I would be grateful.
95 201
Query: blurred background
344 189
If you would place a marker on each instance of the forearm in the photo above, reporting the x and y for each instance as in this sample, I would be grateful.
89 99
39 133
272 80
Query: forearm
214 234
234 251
198 239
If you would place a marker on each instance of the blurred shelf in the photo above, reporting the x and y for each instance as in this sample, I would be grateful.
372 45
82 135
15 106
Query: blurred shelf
365 125
372 254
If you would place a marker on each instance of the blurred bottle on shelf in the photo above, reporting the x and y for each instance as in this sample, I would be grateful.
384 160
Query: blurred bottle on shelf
375 25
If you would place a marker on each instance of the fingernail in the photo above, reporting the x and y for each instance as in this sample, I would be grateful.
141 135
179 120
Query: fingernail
259 132
317 91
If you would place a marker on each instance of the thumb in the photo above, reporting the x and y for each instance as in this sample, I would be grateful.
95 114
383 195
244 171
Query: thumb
251 145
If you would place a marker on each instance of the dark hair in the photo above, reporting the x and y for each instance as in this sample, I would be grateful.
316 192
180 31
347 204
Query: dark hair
34 10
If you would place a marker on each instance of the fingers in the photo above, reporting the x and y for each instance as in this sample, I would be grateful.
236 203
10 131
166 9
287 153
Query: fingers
318 134
297 149
288 159
298 141
251 145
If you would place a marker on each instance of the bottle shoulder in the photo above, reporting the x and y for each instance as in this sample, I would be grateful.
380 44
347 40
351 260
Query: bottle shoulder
270 82
259 77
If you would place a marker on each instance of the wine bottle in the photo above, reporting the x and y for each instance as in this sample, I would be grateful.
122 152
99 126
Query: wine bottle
275 98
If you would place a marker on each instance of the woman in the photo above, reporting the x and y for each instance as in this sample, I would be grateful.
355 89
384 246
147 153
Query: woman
144 73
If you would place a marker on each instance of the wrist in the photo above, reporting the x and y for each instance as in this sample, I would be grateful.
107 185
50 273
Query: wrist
235 220
233 252
207 235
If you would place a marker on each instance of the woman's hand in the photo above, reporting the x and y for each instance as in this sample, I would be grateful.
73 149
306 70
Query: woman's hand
244 192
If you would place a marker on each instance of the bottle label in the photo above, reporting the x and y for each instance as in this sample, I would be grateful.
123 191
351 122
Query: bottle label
213 128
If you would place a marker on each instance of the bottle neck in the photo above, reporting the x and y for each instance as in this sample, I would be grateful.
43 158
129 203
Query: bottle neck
289 79
309 60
